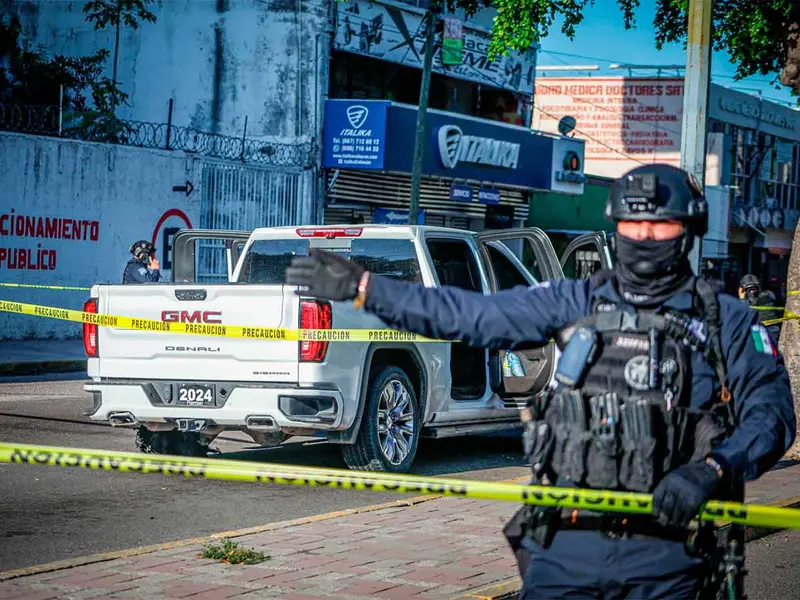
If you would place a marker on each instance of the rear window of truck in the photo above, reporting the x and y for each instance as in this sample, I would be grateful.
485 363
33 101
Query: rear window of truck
267 260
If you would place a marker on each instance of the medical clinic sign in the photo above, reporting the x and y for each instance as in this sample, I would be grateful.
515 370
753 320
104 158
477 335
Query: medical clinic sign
625 121
27 242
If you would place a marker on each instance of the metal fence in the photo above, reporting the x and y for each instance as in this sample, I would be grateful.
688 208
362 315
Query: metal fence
98 127
244 197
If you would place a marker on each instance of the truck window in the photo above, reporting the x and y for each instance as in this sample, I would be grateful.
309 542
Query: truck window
455 264
267 260
506 273
393 258
582 263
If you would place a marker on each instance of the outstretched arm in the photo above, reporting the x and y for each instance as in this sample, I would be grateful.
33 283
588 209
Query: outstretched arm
506 320
503 320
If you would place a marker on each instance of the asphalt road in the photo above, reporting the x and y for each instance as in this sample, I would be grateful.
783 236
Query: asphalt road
49 513
773 566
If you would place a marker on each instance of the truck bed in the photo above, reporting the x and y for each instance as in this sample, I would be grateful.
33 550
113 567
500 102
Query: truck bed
128 354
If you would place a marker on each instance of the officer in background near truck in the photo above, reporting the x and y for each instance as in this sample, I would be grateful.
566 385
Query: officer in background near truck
144 266
750 291
664 387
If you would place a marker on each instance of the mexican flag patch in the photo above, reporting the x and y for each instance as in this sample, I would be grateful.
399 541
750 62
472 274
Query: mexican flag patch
762 340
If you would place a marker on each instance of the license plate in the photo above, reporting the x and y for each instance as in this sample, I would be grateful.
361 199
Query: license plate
196 394
191 424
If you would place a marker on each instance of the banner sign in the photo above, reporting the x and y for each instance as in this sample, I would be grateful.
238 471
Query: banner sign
397 35
625 121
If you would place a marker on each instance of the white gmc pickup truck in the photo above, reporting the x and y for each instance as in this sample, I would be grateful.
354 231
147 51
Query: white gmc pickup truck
374 399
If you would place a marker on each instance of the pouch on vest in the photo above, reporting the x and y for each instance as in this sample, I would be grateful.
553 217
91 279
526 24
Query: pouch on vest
603 455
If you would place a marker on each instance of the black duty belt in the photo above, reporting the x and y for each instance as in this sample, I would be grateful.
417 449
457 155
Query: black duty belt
618 526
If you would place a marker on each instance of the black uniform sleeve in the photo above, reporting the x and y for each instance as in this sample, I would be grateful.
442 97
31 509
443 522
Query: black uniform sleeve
504 320
762 398
139 273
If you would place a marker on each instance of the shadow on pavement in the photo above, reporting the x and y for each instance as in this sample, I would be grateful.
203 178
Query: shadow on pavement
434 457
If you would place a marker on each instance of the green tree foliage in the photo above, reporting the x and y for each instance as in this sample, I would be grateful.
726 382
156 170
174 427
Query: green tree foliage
104 13
759 35
31 76
35 79
115 13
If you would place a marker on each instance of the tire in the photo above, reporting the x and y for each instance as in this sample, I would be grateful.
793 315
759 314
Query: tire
377 448
176 443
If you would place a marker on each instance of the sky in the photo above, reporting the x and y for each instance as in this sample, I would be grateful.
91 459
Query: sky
602 40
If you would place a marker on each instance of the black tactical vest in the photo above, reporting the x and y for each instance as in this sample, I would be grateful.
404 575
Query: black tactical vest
628 421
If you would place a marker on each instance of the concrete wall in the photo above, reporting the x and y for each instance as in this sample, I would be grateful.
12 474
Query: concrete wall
70 210
220 60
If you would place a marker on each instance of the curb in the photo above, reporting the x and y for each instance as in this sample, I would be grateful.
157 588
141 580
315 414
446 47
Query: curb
41 367
509 589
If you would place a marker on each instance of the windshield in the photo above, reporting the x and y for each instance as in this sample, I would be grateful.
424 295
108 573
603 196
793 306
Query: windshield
267 260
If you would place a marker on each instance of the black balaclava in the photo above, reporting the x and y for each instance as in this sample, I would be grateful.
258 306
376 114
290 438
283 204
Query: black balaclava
650 271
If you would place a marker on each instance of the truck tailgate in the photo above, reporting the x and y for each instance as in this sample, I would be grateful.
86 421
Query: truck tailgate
157 355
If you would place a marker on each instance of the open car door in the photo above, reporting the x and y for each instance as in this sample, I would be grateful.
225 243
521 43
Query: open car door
519 257
586 255
206 255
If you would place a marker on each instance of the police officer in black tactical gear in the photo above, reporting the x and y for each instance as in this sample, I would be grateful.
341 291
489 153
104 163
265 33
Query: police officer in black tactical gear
750 291
144 266
664 386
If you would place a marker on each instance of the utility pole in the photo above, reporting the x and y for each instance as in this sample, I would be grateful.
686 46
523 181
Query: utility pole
696 90
422 117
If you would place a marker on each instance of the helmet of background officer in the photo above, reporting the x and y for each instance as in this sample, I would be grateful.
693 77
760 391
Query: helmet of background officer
142 251
659 210
749 287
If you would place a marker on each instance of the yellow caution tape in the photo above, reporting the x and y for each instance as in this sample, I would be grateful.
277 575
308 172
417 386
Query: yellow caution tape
229 470
45 287
233 331
789 316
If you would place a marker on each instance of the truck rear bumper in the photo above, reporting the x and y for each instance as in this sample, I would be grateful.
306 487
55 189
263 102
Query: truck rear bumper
245 407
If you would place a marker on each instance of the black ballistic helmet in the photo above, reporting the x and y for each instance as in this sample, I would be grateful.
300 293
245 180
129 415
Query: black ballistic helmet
659 192
750 282
141 249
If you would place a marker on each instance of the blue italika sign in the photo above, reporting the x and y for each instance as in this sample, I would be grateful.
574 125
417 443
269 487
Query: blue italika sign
379 135
354 134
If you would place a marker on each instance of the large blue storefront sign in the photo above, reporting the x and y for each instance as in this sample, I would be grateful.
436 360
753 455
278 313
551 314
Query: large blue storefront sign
458 147
355 134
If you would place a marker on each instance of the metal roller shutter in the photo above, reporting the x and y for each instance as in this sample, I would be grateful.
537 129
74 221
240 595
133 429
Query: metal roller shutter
393 190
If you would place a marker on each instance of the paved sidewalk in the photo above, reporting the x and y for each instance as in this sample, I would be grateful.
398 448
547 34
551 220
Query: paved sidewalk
434 549
32 357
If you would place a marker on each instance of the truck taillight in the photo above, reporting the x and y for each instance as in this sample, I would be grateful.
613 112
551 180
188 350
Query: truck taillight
314 314
90 330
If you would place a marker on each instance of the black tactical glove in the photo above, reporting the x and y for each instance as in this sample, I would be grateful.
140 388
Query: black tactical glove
679 496
325 275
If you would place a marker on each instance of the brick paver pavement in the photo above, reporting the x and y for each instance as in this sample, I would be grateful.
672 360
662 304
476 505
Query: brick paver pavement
433 550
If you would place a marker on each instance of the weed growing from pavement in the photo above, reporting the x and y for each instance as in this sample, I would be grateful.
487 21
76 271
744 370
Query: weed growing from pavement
231 552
